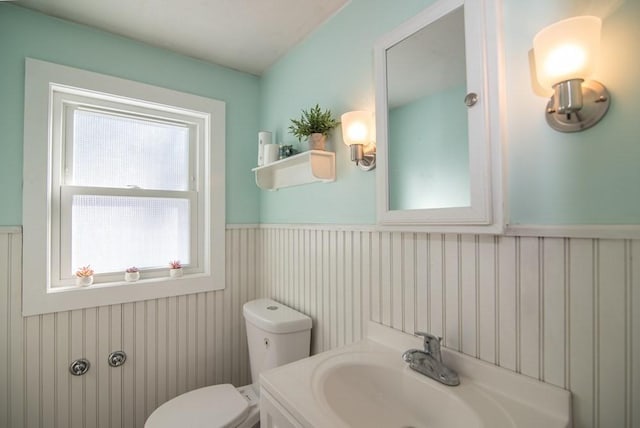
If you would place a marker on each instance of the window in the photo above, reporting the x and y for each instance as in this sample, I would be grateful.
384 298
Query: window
128 182
134 177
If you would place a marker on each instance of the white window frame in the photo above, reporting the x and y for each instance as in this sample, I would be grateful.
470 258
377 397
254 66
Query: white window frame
49 90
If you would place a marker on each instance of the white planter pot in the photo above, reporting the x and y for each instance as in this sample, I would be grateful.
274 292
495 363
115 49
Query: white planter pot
131 276
175 273
84 281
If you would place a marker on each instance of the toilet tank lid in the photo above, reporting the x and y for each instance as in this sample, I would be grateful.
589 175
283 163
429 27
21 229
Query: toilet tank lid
275 317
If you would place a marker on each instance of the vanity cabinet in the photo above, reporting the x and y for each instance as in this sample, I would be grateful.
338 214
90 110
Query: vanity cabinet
438 104
273 415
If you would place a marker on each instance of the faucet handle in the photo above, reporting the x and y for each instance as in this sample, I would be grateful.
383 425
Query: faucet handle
431 342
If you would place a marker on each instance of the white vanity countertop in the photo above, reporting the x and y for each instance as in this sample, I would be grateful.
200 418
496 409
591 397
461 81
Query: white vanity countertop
497 396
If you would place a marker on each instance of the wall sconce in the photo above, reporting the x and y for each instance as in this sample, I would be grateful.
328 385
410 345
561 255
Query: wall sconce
358 133
565 56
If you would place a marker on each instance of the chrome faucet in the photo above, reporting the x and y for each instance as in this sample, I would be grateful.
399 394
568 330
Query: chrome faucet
429 361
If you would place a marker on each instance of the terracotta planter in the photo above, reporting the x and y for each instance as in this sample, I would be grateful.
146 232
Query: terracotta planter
317 141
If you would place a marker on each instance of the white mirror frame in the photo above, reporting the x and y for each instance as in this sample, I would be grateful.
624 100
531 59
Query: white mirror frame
483 57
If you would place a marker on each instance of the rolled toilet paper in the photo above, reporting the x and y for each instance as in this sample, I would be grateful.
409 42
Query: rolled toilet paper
264 138
271 153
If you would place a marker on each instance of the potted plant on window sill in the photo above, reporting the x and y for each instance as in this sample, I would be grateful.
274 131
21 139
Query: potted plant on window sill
132 274
315 125
84 276
175 269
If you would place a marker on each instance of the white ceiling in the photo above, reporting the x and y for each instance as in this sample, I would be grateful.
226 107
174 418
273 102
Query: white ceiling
246 35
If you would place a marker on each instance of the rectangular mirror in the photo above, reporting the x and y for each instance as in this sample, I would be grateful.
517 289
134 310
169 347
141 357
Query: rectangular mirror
435 142
428 132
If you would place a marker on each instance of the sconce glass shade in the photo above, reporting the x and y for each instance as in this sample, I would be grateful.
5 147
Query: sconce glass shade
358 133
565 54
567 50
357 127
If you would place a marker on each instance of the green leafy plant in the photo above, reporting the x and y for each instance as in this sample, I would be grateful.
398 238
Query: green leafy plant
311 122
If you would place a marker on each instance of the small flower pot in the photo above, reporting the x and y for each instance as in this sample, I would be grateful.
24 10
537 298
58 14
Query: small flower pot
317 141
84 281
131 276
175 273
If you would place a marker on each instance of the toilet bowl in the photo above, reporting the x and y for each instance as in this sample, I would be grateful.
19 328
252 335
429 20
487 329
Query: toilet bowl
276 335
211 406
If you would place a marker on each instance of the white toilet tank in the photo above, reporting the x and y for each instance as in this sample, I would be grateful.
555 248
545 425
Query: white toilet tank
276 335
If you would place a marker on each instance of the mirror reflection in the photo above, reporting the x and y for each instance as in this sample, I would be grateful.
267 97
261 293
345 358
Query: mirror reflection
428 146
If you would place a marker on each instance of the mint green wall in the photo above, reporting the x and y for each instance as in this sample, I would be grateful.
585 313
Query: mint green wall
553 178
429 152
332 67
581 178
25 33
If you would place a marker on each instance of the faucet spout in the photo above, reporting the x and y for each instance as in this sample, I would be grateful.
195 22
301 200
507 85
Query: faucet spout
431 344
429 361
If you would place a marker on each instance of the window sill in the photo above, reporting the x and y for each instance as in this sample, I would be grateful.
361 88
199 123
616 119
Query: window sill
76 297
111 284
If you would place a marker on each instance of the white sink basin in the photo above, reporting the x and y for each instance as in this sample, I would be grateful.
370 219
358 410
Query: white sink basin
362 389
369 385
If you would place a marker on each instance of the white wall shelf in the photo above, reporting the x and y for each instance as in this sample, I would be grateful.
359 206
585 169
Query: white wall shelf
304 168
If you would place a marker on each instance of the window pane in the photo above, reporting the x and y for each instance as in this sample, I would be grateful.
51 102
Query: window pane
116 151
111 232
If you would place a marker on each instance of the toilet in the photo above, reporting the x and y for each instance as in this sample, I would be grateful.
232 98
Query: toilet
276 335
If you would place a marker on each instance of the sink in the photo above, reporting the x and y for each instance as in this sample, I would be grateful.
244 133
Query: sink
366 389
367 384
362 390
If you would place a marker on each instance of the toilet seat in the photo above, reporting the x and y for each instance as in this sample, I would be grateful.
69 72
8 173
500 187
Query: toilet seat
218 405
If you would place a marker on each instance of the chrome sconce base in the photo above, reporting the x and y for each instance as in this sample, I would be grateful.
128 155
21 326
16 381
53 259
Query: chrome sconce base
366 161
568 111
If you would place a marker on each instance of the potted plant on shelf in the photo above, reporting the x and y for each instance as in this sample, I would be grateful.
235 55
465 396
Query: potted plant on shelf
175 269
132 274
315 125
84 276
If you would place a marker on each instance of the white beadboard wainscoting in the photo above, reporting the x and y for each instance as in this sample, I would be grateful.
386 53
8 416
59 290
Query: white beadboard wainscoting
173 345
566 311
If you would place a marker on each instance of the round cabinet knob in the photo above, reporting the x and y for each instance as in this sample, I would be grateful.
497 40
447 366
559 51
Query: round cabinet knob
79 367
117 358
471 99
